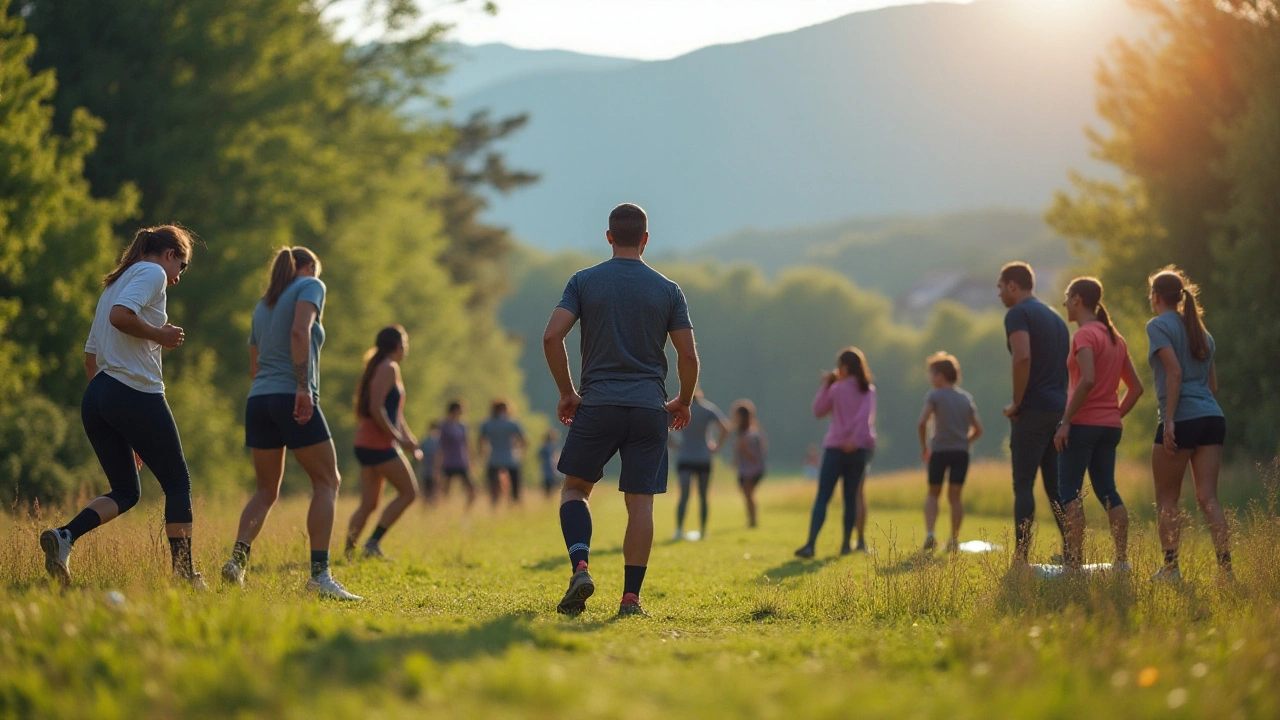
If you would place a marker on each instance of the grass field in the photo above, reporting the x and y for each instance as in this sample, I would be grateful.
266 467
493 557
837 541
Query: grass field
461 622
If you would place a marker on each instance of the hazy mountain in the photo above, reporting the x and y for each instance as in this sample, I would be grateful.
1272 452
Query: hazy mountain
478 67
902 111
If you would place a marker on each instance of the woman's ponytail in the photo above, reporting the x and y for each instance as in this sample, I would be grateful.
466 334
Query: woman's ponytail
151 241
389 340
1174 289
1104 317
1197 336
284 270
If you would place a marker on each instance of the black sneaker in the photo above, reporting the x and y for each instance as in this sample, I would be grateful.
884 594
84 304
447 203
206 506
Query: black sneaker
805 552
930 544
581 587
630 607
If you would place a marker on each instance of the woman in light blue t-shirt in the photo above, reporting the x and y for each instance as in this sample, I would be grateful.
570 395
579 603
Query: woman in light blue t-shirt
1192 427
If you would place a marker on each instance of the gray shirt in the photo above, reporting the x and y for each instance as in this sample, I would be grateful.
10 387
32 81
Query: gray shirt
1195 399
626 309
271 333
501 433
953 412
703 417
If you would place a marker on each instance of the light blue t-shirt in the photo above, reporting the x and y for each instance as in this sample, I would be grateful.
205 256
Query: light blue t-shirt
501 433
1195 399
271 332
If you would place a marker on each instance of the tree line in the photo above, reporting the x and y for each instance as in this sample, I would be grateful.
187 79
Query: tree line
250 123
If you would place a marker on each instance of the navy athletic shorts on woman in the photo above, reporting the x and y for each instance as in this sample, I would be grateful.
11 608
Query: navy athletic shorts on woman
370 457
1196 432
697 468
269 424
948 462
639 435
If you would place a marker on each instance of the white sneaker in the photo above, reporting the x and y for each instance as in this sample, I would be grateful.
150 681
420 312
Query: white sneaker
57 552
1168 573
233 573
327 587
198 584
1122 567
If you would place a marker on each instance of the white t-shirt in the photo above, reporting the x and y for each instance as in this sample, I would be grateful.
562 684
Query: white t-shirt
133 361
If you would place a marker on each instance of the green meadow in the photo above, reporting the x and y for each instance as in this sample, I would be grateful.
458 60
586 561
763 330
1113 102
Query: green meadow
460 621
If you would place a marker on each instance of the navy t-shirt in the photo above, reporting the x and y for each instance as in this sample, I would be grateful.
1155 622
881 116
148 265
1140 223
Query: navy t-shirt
626 309
1050 346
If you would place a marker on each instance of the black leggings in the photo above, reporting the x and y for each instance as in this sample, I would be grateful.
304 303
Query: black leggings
837 464
119 421
686 476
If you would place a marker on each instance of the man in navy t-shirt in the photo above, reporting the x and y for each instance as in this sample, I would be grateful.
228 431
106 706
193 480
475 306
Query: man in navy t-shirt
1039 341
627 311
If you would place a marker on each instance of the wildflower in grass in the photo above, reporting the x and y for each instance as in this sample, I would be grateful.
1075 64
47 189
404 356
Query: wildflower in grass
1148 677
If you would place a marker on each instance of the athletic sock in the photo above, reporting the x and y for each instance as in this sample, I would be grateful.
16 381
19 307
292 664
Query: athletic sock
319 562
180 551
87 520
1224 560
1171 558
929 535
575 523
376 537
633 578
240 554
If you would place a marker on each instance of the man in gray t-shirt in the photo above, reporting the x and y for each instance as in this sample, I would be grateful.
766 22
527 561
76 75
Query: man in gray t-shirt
503 438
627 311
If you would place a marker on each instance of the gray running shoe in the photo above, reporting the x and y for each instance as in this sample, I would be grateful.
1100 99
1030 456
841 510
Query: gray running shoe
197 582
372 551
233 573
324 585
57 552
930 544
630 607
581 587
1168 573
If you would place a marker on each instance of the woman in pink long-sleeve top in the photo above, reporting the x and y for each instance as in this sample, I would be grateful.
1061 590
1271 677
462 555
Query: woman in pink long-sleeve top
848 396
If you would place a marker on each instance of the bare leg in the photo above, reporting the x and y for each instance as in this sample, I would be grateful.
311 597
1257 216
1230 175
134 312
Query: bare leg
321 463
1206 463
749 493
370 495
1119 518
268 466
931 507
398 473
957 509
1073 533
1168 471
638 541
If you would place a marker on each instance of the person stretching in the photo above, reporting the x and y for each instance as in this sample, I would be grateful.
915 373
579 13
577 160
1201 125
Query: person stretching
750 448
847 395
123 408
1192 426
956 428
628 310
283 411
693 459
381 435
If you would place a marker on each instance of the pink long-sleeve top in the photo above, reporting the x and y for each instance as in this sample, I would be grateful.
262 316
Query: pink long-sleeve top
853 414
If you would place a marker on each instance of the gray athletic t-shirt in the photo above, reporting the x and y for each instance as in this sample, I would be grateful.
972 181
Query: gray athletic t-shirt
703 416
1195 400
953 411
501 434
271 333
626 310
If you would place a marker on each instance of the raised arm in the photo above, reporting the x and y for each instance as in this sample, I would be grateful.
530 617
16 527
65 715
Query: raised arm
1020 347
822 403
687 368
304 316
553 348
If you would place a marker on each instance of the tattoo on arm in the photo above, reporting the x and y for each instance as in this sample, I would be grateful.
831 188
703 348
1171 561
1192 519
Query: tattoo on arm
301 375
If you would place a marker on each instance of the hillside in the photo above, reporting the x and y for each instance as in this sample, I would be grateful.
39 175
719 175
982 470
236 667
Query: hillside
475 68
906 110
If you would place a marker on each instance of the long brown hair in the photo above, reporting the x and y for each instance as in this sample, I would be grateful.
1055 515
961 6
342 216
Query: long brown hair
284 270
151 241
1089 290
389 340
1176 291
744 411
855 363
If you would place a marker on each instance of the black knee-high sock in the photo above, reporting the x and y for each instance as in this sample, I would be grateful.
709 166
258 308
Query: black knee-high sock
180 550
240 554
87 520
575 523
319 562
633 578
376 537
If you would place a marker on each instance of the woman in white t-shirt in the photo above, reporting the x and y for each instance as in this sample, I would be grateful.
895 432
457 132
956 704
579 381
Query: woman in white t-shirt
123 410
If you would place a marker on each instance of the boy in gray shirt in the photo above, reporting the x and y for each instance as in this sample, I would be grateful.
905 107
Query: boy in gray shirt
955 428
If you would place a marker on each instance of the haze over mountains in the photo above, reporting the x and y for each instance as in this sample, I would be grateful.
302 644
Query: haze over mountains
908 110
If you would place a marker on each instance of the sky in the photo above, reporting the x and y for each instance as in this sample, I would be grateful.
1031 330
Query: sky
643 29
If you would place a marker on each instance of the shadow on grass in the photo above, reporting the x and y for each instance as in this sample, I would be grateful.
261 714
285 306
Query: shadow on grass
562 560
796 568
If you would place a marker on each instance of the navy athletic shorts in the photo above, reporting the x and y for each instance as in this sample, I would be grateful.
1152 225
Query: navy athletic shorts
369 457
639 435
1196 432
269 424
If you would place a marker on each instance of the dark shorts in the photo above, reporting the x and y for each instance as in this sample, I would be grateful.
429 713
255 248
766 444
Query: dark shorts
697 468
369 457
639 435
944 462
269 424
753 478
1196 432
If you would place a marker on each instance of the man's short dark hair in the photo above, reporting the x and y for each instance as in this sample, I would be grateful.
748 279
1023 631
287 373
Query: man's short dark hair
628 224
1020 274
